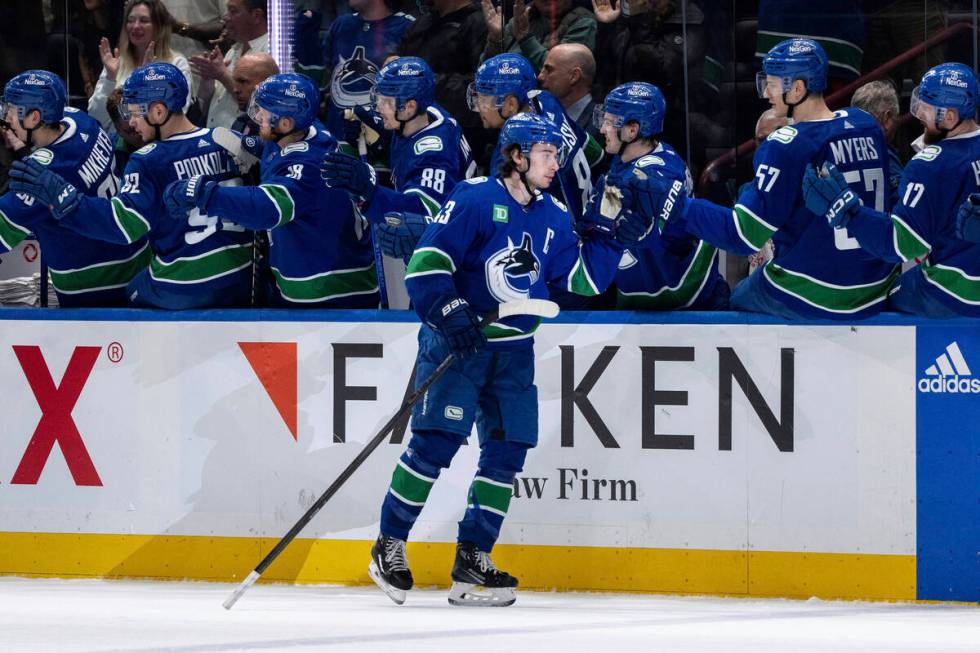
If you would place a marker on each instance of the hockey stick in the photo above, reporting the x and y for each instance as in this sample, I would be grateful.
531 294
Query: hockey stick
379 262
537 307
232 143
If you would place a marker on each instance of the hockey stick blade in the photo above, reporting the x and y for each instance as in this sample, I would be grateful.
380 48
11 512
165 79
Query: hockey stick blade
232 143
536 307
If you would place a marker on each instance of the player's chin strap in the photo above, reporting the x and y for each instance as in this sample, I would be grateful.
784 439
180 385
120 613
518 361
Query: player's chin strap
940 116
402 123
522 175
157 126
623 143
280 137
791 106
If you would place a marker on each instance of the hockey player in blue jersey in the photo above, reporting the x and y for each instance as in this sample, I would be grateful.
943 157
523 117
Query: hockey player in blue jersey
198 260
506 85
429 154
494 240
671 269
817 271
923 227
320 251
84 272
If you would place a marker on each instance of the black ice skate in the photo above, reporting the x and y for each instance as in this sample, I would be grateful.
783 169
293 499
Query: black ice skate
389 568
477 582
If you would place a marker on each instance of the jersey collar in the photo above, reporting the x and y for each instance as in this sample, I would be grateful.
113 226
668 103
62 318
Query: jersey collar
70 129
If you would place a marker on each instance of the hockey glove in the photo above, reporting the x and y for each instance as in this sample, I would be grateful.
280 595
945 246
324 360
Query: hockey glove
453 319
968 219
399 233
339 170
632 227
599 218
826 193
185 195
32 178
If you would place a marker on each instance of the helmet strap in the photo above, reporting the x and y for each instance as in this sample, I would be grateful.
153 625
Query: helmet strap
157 126
522 175
402 123
623 143
792 105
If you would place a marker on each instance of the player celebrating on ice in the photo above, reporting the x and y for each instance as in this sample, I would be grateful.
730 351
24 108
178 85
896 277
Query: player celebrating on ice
495 240
198 261
817 271
84 272
923 227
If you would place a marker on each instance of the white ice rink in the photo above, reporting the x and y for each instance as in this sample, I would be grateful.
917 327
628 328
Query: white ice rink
39 615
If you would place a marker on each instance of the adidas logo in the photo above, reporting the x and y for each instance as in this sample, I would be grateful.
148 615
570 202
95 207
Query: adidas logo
950 374
85 138
202 143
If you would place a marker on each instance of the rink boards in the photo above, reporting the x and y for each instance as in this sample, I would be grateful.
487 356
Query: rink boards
682 453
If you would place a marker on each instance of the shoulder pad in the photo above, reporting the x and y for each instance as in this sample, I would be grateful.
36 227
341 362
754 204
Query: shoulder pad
649 160
784 134
475 180
301 146
928 153
428 144
44 156
146 149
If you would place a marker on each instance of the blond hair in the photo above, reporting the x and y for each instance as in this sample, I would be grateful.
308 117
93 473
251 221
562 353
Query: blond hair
160 17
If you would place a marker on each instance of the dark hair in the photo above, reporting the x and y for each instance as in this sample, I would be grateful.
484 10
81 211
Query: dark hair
252 5
507 165
112 104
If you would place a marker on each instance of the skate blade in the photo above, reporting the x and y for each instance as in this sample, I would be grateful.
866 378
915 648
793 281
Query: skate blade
395 594
470 595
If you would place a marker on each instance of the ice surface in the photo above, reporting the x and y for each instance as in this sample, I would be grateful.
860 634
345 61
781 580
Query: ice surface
87 615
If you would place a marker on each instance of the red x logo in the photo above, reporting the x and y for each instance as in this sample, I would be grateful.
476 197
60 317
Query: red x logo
56 424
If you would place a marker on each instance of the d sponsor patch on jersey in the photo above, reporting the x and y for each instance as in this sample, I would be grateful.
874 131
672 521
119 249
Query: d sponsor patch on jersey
500 213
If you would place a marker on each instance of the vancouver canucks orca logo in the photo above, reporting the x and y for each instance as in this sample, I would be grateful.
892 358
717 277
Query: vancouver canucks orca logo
513 270
353 79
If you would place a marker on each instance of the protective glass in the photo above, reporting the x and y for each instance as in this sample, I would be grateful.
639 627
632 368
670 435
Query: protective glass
130 110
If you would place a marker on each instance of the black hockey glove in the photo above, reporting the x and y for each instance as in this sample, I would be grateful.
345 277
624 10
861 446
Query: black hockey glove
453 319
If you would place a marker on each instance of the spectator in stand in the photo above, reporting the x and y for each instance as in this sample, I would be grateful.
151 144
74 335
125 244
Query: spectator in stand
347 62
195 23
129 139
567 73
252 69
450 35
145 38
537 28
880 100
245 24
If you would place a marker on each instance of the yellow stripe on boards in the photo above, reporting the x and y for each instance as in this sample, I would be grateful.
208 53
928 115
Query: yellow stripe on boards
671 571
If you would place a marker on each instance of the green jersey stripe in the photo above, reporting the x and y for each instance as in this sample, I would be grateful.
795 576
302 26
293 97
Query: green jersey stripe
198 269
132 225
328 285
953 281
110 274
908 244
753 230
579 281
11 233
679 296
283 201
431 206
503 332
428 260
827 296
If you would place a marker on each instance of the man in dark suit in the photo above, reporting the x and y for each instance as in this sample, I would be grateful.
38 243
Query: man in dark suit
567 73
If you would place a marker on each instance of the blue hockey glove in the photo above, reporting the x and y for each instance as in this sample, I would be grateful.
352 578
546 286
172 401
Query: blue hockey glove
632 227
968 219
399 233
339 170
453 319
184 195
32 178
826 193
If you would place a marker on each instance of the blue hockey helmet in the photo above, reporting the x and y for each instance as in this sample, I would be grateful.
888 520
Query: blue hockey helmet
152 83
404 79
943 87
500 76
35 90
795 59
286 95
525 129
639 102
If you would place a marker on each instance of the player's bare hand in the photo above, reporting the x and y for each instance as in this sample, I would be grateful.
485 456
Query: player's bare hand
110 59
10 139
606 11
495 21
522 20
